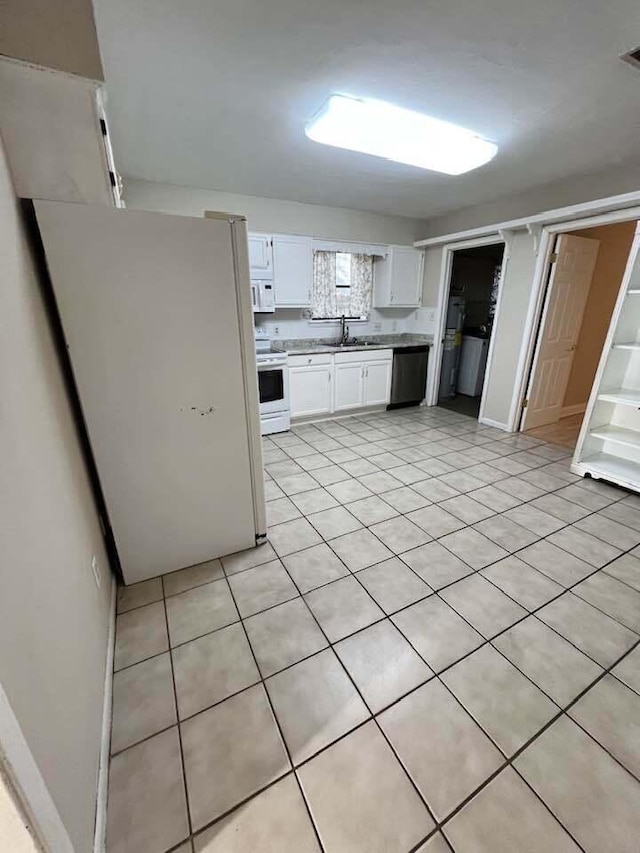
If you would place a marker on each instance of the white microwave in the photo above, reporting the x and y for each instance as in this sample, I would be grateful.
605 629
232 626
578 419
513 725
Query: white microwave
262 296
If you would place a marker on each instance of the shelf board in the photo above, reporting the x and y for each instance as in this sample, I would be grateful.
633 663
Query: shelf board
630 345
634 291
619 435
621 396
613 467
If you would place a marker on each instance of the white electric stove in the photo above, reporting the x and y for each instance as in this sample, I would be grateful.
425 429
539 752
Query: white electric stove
273 385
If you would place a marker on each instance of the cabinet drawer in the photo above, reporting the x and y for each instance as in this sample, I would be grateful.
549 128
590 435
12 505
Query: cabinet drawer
312 359
362 355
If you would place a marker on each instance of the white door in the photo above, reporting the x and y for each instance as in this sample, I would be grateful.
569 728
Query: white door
567 296
377 383
406 276
260 256
349 386
149 310
292 271
310 390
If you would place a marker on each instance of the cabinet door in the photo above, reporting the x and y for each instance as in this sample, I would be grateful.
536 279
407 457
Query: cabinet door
292 271
349 386
377 383
310 390
406 277
260 256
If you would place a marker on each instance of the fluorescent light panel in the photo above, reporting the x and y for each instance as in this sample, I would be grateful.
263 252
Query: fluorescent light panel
404 136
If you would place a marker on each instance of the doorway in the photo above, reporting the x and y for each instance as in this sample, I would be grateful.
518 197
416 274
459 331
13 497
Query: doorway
583 280
471 307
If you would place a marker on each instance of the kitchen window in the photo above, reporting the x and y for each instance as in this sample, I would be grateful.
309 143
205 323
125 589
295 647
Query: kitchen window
342 284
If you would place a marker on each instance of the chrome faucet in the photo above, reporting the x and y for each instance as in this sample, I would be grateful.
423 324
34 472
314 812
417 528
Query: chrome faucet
344 337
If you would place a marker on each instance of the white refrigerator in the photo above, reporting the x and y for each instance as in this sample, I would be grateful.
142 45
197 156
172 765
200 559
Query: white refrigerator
155 312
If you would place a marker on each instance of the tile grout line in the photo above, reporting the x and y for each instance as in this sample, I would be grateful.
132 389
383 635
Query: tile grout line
389 616
276 721
372 715
508 760
545 493
566 524
177 708
434 592
438 823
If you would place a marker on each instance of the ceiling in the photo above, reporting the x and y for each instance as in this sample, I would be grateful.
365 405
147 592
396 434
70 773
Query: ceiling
215 94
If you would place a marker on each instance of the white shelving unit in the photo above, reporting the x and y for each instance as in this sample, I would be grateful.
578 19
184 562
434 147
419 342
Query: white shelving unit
609 443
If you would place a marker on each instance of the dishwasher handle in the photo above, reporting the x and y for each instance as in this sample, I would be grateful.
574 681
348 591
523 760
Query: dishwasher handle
413 350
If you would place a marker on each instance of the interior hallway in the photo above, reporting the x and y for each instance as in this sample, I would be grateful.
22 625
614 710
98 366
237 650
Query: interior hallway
463 404
336 689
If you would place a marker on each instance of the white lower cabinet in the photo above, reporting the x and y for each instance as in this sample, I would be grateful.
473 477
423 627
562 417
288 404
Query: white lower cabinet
310 381
323 383
349 386
377 382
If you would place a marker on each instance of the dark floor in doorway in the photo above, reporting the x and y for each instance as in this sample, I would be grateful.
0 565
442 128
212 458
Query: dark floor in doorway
463 404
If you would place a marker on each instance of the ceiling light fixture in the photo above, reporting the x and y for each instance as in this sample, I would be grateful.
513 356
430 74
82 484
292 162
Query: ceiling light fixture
404 136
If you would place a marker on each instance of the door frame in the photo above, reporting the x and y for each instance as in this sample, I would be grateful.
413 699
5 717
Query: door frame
541 326
545 238
444 287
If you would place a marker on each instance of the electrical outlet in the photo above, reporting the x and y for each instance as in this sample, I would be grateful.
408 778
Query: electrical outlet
377 327
431 316
95 568
276 331
394 326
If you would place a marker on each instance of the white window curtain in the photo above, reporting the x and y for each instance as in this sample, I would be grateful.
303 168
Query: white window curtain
361 285
323 296
325 303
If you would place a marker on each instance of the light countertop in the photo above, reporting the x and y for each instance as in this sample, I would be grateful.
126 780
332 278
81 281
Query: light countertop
302 346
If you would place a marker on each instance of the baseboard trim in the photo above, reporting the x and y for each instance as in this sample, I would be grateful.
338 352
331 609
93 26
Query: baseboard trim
578 409
100 832
492 423
28 783
301 420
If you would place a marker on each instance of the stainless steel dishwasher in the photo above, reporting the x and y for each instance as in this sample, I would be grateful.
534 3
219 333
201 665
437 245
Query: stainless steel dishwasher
409 376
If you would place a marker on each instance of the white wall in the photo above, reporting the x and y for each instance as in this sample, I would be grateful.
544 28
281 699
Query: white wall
268 214
53 618
273 215
287 324
580 188
56 33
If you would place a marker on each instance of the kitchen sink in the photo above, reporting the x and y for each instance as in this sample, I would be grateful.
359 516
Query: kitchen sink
355 344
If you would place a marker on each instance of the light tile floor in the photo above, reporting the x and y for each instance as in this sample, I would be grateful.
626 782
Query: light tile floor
437 650
564 432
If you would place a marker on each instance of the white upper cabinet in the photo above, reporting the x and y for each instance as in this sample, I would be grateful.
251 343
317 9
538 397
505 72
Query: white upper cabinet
261 256
292 270
398 278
